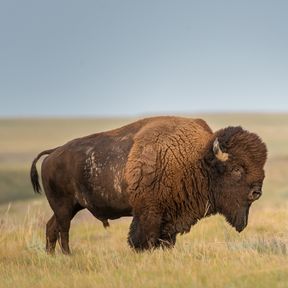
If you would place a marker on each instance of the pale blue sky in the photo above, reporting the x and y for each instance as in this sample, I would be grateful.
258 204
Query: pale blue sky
111 57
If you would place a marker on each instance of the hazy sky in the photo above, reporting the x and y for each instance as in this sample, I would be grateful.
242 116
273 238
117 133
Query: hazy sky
112 57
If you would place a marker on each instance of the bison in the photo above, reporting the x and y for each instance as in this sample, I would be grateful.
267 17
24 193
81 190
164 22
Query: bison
167 172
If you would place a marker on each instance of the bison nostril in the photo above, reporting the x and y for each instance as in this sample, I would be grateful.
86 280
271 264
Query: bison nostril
256 194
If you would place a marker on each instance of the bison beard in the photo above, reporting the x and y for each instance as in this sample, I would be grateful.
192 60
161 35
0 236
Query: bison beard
166 172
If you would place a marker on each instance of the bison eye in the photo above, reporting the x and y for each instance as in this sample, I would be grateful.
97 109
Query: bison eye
237 172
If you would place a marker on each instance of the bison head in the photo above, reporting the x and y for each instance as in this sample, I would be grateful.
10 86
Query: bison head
237 158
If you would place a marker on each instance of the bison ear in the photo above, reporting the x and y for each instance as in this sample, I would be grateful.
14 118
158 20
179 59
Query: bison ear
222 156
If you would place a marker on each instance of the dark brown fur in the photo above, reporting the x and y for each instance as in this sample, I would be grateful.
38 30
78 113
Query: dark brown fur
161 170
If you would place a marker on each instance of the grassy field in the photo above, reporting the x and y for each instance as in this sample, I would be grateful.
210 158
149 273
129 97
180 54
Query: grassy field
211 255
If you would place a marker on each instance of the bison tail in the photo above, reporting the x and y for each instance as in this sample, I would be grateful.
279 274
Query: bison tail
33 171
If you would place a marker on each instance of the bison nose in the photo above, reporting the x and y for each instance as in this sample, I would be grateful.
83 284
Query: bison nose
255 194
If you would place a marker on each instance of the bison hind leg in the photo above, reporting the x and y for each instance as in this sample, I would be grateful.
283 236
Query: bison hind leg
58 226
52 234
64 217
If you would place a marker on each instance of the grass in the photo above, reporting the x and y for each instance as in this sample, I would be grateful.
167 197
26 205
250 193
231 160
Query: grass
212 255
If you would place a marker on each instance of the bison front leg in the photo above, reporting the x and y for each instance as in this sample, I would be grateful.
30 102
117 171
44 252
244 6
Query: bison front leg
145 230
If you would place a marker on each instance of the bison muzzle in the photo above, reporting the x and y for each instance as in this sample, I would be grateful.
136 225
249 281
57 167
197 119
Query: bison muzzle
166 172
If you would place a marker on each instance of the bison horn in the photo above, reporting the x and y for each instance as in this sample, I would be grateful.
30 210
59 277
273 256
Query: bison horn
222 156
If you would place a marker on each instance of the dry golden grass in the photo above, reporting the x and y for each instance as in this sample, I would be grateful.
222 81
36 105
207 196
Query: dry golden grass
211 255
